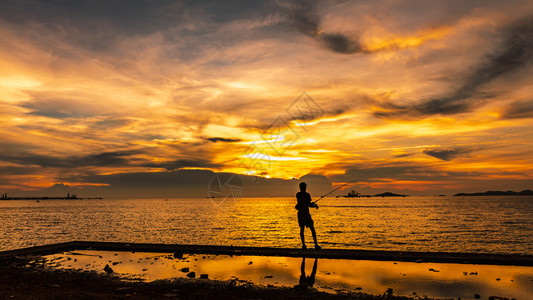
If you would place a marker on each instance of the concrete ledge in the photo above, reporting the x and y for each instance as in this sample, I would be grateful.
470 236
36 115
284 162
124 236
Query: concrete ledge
51 248
439 257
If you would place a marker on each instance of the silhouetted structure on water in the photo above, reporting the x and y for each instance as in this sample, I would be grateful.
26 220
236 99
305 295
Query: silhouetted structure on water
355 194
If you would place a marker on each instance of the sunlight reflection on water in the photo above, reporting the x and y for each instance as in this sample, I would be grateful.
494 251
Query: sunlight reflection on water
450 224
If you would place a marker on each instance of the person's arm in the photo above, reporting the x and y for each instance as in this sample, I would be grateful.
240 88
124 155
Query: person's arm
310 203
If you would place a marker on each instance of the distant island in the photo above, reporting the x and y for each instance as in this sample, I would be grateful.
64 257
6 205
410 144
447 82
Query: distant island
498 193
354 194
389 194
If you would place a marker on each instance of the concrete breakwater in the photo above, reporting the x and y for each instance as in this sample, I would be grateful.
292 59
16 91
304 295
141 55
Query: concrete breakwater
177 249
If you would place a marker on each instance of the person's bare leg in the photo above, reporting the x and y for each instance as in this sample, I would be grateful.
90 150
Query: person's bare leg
313 273
302 236
314 237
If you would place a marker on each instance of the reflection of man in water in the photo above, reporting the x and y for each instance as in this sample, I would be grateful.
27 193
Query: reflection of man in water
304 217
305 281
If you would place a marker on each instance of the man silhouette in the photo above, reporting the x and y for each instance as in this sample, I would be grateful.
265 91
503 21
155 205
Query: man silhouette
304 217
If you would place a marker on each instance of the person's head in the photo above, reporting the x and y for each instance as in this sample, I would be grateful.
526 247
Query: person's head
303 186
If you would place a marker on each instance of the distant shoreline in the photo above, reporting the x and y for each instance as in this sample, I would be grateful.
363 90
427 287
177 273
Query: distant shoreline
50 198
498 193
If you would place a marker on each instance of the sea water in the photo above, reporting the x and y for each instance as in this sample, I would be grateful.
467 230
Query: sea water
501 224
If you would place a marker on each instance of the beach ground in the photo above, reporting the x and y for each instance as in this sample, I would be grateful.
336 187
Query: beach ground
22 279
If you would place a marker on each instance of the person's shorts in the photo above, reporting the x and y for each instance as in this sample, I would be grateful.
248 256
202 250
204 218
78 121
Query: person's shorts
304 220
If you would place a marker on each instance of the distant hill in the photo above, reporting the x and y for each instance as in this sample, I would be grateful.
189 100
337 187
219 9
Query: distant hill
389 194
498 193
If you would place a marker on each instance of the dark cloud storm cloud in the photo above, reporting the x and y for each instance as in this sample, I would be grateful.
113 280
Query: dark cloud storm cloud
306 19
519 109
224 140
105 159
446 154
112 158
515 53
402 171
376 173
194 183
183 163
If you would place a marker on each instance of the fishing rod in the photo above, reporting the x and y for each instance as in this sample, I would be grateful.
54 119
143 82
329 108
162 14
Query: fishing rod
335 190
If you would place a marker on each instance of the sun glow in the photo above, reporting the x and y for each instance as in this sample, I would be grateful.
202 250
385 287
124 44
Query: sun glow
380 42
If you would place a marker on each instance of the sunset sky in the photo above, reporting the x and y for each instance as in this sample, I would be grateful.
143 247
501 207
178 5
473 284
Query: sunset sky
142 98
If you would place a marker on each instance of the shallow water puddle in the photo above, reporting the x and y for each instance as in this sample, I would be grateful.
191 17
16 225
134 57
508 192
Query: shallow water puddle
374 277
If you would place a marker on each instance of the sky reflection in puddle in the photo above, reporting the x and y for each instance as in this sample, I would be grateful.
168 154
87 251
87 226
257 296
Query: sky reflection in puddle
373 277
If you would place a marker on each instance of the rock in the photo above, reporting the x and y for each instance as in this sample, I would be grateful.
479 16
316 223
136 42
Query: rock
184 270
170 295
204 276
250 262
497 298
358 288
433 270
108 269
477 296
115 263
389 292
473 273
178 255
191 275
497 279
268 276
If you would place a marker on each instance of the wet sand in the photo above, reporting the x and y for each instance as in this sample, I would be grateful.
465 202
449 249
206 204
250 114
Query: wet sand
409 279
28 278
67 270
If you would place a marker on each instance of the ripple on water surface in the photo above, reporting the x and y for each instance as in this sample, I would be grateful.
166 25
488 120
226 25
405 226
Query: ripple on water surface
451 224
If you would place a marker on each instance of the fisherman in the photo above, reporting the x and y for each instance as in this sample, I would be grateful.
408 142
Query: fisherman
304 217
